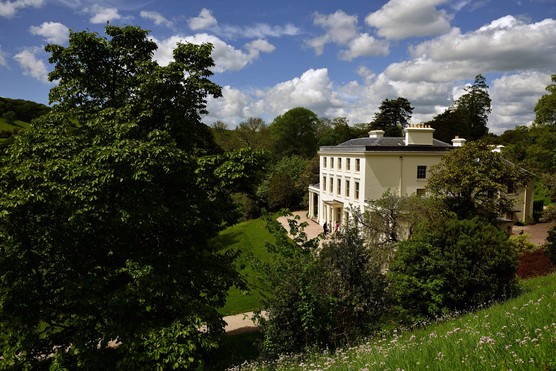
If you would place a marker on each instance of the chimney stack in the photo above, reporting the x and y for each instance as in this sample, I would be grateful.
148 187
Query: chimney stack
458 142
376 133
418 134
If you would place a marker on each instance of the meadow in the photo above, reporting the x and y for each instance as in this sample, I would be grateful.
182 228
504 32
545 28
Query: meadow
518 334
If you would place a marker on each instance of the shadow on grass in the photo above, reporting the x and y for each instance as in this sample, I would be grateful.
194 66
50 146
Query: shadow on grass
238 346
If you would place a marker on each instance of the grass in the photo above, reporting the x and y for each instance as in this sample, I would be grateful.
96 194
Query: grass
250 239
517 334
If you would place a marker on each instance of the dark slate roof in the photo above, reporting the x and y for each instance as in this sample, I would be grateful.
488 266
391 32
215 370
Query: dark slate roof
385 144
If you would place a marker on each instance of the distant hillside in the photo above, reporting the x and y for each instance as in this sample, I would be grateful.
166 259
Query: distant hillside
16 114
20 109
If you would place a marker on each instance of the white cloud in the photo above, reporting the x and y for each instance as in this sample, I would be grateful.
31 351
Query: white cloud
514 98
156 17
9 8
101 14
504 45
53 32
225 56
203 21
31 65
400 19
312 90
259 30
341 29
232 107
2 58
364 45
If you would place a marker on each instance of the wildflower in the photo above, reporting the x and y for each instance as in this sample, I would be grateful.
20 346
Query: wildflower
486 340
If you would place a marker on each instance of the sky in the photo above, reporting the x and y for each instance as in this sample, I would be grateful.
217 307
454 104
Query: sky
338 59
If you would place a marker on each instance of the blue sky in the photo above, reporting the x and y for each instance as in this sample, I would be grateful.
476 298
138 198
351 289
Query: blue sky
335 58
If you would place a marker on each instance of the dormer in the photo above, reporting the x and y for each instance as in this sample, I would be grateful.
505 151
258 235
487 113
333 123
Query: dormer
418 134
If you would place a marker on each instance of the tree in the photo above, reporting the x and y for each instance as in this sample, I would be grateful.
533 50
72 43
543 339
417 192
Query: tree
338 132
294 133
107 205
468 116
327 298
285 184
392 117
475 105
473 180
455 265
545 109
253 133
392 219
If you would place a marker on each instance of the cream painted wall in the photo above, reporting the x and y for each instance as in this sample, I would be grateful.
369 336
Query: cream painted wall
397 172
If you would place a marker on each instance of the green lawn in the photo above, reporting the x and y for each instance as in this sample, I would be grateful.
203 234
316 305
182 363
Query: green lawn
249 238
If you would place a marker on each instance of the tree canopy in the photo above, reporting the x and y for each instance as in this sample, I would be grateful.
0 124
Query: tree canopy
294 133
474 180
107 205
392 117
467 117
545 108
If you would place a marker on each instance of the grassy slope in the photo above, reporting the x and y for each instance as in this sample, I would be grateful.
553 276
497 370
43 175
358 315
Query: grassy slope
249 238
517 334
10 127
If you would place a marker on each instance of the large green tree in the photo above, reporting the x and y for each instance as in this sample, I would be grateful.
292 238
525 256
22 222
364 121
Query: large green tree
106 207
545 108
294 133
468 116
474 180
392 117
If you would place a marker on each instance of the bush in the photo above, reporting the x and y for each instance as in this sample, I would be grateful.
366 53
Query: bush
521 243
534 263
550 245
326 298
457 265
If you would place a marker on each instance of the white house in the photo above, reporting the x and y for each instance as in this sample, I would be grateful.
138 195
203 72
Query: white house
363 169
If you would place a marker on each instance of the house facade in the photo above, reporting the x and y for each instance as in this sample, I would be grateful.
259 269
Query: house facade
365 168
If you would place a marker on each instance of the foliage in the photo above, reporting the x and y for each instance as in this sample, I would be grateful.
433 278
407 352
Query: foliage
294 133
549 214
468 116
392 117
550 245
336 132
392 219
286 184
532 147
521 243
106 210
325 298
473 180
534 263
545 108
22 110
457 265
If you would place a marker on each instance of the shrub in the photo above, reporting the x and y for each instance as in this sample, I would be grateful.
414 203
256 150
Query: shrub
456 265
550 245
534 263
521 243
327 298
